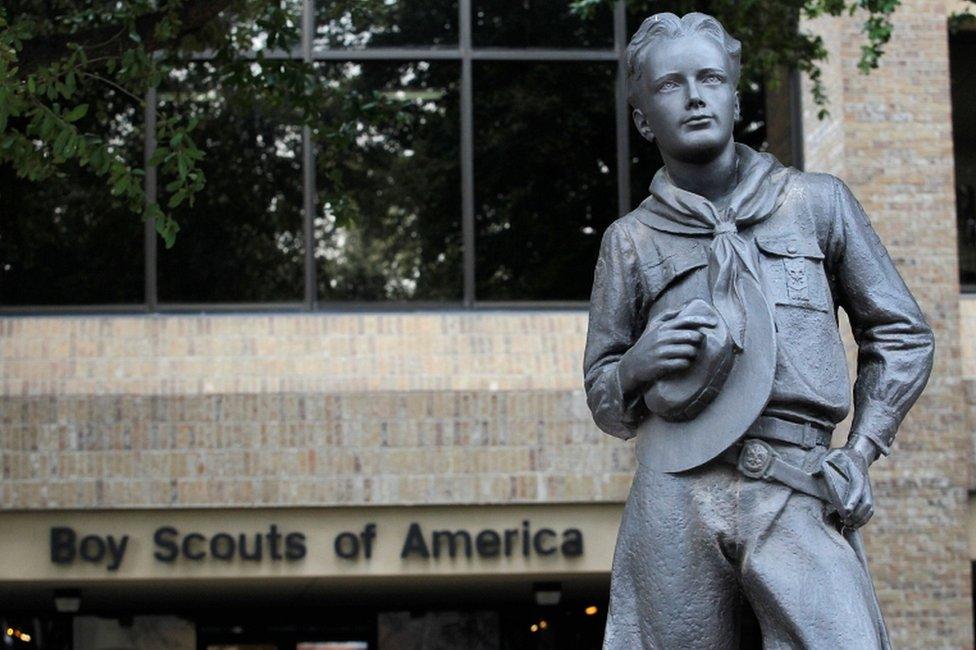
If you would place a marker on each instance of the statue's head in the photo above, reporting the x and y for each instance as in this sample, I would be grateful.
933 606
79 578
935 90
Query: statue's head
682 75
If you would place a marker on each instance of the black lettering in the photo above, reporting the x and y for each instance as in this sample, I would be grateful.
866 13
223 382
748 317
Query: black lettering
188 551
525 538
451 538
295 546
572 542
256 555
222 546
92 548
63 545
538 539
510 535
487 543
346 545
116 551
414 543
163 539
273 538
368 535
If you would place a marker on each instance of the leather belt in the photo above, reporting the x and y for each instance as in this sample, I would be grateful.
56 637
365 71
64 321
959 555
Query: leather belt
803 434
756 459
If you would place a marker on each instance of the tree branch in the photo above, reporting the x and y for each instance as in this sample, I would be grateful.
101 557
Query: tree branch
104 42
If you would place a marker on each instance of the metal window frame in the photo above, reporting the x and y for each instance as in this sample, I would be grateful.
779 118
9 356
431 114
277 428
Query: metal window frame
466 54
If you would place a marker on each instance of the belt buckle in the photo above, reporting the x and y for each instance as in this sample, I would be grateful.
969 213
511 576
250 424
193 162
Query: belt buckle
755 458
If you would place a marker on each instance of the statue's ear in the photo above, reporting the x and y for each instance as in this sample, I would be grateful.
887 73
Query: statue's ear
738 112
642 126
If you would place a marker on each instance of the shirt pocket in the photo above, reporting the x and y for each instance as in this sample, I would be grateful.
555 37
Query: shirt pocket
660 275
793 272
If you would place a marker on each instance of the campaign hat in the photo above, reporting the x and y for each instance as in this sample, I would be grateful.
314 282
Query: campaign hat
698 413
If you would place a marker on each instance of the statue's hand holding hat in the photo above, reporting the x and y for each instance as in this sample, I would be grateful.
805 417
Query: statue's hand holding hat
684 394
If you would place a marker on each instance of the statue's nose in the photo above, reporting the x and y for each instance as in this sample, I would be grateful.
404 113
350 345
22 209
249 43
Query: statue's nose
694 97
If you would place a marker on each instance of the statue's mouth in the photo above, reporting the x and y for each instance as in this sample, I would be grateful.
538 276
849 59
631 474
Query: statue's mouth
698 120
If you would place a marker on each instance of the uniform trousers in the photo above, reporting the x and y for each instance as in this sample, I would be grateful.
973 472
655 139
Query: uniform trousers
691 544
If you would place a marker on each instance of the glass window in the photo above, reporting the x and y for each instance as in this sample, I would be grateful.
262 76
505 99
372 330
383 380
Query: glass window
545 177
388 221
65 240
962 59
539 23
386 23
241 240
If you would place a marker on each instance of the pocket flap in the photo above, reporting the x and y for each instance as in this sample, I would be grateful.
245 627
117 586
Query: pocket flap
789 246
672 267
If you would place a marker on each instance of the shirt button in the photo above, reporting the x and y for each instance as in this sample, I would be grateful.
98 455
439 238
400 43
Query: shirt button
791 249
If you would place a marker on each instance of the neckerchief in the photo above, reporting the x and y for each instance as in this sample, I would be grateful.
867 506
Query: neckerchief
759 191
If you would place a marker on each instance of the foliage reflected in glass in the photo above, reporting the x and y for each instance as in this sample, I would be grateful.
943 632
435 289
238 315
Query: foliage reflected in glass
386 23
388 225
241 239
65 239
545 177
539 23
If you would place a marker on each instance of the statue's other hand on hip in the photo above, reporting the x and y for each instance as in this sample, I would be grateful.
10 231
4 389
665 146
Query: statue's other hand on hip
845 474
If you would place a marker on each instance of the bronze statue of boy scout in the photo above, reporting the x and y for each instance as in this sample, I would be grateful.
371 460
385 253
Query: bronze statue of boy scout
713 339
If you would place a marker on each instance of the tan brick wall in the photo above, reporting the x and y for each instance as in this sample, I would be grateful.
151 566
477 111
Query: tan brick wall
327 353
323 409
889 138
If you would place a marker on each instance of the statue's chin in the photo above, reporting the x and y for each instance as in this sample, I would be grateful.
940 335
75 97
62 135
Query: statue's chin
699 153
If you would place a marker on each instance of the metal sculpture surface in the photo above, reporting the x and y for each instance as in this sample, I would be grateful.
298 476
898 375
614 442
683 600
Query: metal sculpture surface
737 493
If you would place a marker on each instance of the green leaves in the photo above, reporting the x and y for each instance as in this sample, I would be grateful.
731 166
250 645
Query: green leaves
66 110
771 43
76 113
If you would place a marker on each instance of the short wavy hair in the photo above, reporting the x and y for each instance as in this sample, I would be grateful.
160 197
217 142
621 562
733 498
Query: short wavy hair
668 25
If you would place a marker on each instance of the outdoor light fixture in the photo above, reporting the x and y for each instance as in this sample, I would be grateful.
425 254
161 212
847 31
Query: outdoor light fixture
591 610
547 593
67 601
14 633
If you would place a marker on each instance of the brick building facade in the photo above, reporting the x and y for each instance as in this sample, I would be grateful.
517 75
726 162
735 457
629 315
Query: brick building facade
364 412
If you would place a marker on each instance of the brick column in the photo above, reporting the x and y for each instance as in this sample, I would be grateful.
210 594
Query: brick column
889 137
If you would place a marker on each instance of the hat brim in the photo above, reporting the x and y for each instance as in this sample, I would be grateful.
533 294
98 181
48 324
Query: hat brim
678 446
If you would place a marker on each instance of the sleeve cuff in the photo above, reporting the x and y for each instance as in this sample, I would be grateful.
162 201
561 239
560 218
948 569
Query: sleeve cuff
876 422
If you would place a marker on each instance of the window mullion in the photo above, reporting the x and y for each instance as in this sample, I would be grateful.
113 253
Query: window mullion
467 152
151 297
622 112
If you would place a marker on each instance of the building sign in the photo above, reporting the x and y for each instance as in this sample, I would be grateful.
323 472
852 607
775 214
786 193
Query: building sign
302 542
170 544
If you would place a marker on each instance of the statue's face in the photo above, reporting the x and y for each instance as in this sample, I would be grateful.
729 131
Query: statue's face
688 101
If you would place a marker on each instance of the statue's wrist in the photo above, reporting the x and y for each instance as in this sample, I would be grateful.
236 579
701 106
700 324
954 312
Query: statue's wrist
865 447
628 382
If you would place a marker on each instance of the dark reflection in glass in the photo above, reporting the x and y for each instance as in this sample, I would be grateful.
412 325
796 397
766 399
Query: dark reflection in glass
241 240
545 177
962 59
539 23
386 23
388 221
751 130
66 240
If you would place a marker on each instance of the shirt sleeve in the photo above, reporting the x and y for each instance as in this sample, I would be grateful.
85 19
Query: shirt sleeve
895 344
612 325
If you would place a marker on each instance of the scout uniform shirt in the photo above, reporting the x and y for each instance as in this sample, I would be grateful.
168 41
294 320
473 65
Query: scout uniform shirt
814 250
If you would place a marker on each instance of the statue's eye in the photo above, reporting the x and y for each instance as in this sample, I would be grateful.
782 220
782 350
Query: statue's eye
713 78
668 85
